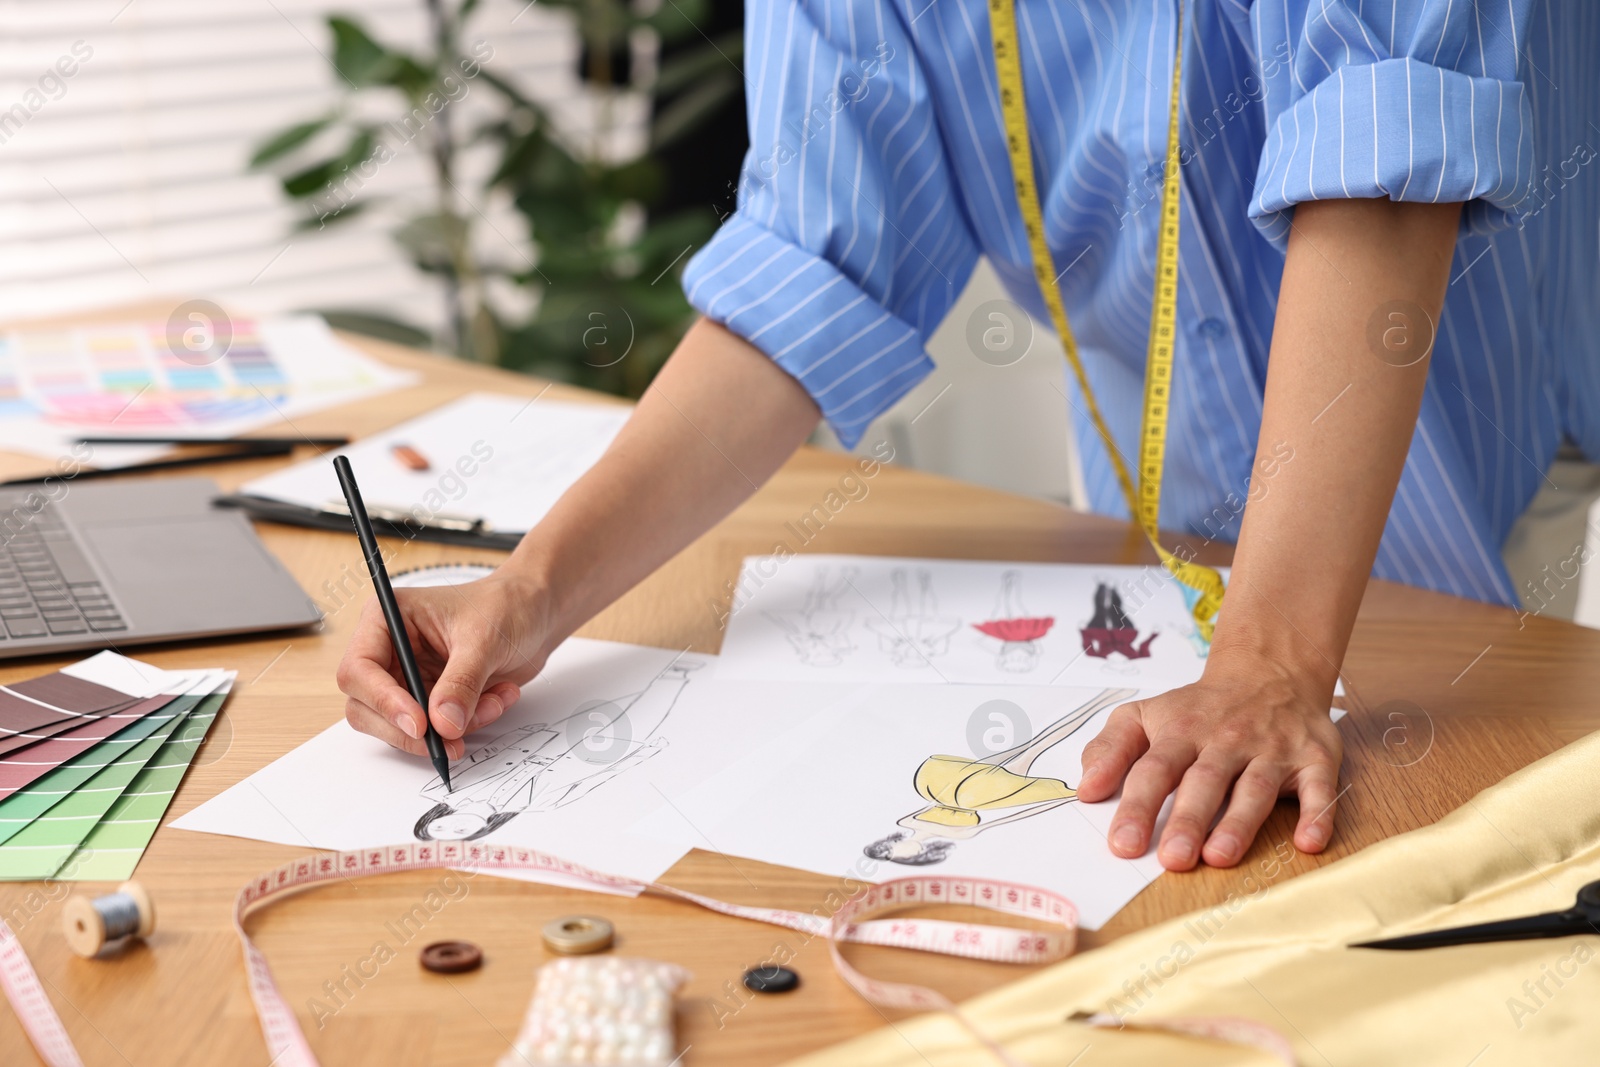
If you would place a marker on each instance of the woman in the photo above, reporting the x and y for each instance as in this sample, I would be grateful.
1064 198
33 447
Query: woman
1353 172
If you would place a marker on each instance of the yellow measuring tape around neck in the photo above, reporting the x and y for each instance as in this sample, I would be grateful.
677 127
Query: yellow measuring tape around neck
1145 504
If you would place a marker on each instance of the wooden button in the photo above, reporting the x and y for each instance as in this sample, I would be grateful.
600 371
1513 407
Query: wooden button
578 935
452 957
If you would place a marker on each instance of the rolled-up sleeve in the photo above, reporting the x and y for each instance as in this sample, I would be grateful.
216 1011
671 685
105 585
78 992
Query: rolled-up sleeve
1415 100
850 242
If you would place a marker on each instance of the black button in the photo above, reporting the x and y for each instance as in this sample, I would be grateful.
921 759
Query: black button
771 979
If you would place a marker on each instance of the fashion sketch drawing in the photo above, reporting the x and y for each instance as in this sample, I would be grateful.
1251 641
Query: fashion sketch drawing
820 631
1111 631
1018 632
965 797
546 766
913 635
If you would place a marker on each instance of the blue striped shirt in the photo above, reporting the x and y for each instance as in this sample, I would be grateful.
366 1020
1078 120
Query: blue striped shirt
878 175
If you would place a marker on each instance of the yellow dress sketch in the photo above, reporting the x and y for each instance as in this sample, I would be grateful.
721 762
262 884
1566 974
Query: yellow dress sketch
967 796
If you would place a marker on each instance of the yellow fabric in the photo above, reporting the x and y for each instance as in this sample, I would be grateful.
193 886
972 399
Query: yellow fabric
961 788
1275 952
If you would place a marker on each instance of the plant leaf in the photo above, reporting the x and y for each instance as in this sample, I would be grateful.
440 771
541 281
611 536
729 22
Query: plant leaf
361 60
285 141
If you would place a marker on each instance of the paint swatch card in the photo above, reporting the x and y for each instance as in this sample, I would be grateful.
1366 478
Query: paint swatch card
113 848
121 718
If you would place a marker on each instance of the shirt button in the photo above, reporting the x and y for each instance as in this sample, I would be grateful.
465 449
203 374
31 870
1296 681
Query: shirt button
1211 329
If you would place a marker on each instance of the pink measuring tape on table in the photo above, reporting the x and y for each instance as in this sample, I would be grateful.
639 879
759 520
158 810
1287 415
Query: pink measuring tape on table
855 921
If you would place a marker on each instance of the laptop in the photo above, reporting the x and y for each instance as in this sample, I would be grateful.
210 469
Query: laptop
114 563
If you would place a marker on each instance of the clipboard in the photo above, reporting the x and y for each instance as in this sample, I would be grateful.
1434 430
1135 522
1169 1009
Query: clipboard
478 472
449 532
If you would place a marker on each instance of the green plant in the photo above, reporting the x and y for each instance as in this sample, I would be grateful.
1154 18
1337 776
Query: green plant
609 308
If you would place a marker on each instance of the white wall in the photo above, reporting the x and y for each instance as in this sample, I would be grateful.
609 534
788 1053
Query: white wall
994 410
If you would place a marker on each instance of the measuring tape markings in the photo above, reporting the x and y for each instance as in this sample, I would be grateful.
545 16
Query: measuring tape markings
34 1010
1144 505
855 921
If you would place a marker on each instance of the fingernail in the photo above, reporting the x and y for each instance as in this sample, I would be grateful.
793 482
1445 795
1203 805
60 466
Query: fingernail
411 726
1178 849
454 715
1317 834
1127 839
1225 846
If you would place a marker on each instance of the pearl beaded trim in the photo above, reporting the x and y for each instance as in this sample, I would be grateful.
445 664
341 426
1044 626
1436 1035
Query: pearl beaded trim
600 1011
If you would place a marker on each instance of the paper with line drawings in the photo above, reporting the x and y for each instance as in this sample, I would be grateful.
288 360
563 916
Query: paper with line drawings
607 733
502 459
883 619
905 780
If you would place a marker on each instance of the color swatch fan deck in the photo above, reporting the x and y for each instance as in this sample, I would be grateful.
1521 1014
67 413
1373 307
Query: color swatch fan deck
90 757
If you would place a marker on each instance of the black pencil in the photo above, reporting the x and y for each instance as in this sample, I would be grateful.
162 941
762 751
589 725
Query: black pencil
83 474
315 442
391 613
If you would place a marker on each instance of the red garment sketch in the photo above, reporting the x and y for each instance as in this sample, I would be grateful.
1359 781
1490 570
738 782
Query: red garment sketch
1016 630
1110 630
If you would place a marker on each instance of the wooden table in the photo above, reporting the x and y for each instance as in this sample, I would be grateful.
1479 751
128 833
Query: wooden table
1446 697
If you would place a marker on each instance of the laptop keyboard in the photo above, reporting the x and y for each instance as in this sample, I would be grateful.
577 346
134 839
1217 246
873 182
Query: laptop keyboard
47 586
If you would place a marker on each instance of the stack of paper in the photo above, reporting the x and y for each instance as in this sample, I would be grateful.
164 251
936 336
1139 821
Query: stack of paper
90 757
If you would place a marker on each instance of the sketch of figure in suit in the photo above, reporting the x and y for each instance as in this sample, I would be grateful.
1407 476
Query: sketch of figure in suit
820 630
968 796
545 766
913 638
1111 631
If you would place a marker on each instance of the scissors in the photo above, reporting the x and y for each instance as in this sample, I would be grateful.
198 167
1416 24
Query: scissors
1582 918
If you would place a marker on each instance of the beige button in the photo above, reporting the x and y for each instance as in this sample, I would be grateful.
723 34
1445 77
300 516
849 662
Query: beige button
578 935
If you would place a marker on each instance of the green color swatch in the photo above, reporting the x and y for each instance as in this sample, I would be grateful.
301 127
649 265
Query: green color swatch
21 808
41 848
113 848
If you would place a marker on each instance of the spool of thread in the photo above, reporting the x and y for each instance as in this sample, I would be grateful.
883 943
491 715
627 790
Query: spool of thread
90 925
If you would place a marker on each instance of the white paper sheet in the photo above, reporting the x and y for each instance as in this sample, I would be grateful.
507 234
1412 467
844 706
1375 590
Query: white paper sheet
605 735
885 619
138 678
845 783
121 378
502 459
